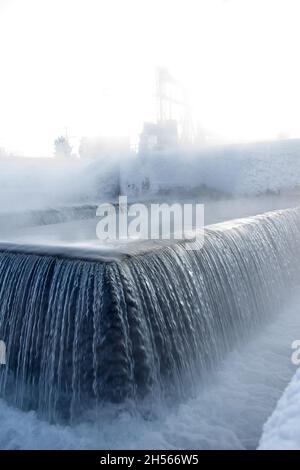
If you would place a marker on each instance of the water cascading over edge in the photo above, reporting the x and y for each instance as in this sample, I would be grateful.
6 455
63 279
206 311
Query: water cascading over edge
80 333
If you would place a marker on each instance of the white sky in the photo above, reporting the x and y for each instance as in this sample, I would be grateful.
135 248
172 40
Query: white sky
90 65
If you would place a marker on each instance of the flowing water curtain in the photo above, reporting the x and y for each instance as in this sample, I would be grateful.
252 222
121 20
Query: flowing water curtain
149 326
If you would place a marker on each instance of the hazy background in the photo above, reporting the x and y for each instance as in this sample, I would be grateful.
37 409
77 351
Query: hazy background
90 65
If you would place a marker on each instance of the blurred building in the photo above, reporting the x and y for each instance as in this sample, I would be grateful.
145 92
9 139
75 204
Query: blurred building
159 136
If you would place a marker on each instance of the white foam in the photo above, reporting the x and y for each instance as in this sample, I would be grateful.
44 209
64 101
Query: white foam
229 412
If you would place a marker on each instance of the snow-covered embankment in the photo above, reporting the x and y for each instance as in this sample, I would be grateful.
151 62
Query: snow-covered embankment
282 430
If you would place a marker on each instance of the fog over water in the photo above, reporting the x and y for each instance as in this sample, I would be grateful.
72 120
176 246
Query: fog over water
138 343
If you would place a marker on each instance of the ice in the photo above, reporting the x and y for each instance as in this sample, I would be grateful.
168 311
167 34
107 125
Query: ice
282 430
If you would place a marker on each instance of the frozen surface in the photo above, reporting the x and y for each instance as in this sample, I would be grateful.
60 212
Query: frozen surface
282 430
233 169
237 170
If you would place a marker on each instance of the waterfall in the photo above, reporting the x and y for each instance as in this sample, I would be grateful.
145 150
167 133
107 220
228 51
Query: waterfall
80 332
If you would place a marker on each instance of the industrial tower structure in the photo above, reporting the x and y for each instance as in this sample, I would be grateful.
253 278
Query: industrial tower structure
174 123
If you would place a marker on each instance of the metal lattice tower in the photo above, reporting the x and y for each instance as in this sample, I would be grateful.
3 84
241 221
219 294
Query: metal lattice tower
172 103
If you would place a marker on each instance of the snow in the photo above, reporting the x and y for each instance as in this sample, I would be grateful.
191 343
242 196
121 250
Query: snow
282 430
244 169
235 170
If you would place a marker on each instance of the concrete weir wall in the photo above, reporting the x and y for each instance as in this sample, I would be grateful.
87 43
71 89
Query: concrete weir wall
85 327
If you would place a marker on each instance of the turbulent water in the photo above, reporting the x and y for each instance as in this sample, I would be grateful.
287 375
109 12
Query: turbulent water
228 412
130 352
144 331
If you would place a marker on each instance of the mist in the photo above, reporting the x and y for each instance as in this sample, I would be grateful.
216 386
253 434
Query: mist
90 66
125 339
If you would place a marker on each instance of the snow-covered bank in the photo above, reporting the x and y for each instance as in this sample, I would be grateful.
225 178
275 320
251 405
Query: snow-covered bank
213 172
233 169
282 430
